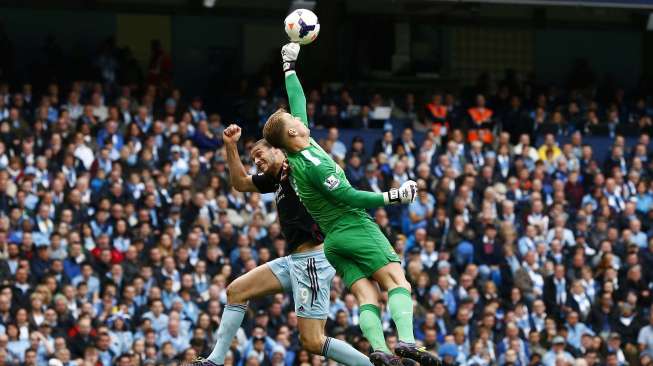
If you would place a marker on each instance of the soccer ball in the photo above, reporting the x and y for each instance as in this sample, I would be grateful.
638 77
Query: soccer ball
302 26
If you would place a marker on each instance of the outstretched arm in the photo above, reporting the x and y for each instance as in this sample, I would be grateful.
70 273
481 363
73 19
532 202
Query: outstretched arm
238 176
296 97
331 182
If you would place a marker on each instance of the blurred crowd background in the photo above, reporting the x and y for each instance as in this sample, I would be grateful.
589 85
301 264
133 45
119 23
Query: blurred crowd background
531 241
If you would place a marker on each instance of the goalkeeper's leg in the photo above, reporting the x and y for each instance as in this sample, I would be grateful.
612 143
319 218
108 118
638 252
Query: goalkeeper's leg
367 295
400 302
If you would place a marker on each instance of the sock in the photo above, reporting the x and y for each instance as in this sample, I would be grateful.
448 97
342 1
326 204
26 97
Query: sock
232 317
343 353
400 303
370 323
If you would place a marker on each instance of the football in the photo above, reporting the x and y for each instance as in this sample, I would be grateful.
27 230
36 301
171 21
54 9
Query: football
302 26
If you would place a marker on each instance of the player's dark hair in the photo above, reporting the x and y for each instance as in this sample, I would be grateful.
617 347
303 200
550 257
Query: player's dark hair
263 143
273 131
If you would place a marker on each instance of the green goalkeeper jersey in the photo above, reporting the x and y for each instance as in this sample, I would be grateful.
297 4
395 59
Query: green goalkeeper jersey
320 183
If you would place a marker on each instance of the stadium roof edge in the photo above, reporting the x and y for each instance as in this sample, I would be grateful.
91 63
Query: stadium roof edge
624 4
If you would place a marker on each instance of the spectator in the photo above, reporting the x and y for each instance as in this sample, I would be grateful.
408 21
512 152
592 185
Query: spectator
558 352
119 234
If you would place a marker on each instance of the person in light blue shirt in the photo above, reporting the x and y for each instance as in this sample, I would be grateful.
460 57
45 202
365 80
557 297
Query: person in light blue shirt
179 165
121 337
576 329
200 278
103 345
638 236
173 334
258 334
189 310
156 316
40 344
442 290
643 199
110 134
100 224
422 209
168 294
16 347
336 305
87 277
121 240
557 351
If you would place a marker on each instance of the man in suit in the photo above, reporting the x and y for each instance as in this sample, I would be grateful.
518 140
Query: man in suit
384 145
616 160
602 313
556 291
489 253
443 323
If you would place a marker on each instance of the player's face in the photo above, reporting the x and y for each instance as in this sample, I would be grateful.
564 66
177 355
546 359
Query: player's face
263 158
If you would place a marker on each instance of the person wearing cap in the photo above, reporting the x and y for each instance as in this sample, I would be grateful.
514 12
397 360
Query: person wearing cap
449 353
278 356
557 350
305 272
179 165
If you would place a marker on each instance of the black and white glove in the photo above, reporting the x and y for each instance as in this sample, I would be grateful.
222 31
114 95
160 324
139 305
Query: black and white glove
405 194
289 54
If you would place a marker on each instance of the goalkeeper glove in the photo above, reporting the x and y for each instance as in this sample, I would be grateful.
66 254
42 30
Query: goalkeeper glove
289 53
404 194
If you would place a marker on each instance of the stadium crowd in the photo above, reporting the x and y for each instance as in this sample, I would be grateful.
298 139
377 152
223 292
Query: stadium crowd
119 232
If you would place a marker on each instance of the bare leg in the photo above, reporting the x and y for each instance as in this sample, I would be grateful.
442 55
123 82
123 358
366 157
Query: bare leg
366 292
391 276
256 283
311 334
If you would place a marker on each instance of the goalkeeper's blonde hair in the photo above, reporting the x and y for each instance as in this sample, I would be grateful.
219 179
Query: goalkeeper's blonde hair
274 129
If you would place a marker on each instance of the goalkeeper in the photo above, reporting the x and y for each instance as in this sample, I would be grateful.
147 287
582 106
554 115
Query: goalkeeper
354 244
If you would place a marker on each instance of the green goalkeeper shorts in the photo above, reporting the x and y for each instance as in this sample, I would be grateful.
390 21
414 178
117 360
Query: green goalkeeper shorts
357 249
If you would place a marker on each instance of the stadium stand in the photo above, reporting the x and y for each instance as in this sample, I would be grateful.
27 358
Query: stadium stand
530 242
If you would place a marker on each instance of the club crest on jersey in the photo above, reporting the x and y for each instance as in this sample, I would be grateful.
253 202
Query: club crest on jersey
332 182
